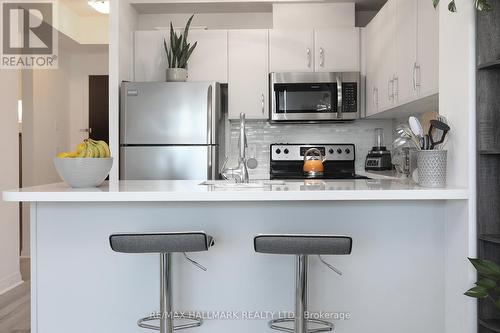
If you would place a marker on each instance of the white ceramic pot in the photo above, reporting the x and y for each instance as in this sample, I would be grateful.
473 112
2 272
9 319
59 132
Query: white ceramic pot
176 75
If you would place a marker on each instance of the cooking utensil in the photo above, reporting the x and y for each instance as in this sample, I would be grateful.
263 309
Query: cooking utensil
404 131
416 127
437 133
425 120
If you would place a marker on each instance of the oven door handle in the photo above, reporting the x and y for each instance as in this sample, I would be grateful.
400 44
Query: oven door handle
339 97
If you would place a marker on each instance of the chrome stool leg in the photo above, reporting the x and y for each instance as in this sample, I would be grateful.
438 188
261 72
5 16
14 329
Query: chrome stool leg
166 320
300 320
166 316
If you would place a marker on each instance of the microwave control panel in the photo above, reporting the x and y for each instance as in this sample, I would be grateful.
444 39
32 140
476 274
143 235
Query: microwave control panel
350 97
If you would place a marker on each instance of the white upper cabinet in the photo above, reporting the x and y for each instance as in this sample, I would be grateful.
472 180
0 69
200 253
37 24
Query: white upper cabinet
209 60
406 50
248 84
387 70
150 60
402 55
427 72
337 49
291 50
373 60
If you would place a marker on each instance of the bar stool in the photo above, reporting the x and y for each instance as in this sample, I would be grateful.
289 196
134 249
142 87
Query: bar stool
165 244
302 246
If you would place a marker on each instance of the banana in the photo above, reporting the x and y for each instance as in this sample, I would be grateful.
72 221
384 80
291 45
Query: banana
88 149
105 146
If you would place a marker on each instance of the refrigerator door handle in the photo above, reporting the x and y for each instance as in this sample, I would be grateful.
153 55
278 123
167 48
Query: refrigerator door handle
210 109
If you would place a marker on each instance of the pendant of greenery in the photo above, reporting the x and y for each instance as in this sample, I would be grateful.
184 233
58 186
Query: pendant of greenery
452 7
180 50
488 285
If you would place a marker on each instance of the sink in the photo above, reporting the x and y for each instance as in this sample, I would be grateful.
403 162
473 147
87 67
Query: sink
232 184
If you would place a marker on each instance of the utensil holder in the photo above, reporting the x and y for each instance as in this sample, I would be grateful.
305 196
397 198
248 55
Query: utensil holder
432 168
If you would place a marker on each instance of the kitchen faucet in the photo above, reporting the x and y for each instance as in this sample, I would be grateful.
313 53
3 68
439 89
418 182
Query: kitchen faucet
240 173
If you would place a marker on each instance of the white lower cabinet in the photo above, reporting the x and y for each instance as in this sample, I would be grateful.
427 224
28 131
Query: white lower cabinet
248 84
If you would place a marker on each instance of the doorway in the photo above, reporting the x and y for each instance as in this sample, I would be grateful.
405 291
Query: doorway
99 107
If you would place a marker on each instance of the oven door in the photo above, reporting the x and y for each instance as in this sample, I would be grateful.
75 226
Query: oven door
314 96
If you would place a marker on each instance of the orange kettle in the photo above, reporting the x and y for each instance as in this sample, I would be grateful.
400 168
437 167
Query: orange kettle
313 163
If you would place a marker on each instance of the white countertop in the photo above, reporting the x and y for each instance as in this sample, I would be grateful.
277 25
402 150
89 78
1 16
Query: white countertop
188 190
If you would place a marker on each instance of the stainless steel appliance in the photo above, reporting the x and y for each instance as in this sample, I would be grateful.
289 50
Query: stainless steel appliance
379 158
170 130
287 161
315 96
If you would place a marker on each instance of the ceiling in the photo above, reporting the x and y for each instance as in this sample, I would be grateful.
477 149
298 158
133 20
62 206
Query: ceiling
81 8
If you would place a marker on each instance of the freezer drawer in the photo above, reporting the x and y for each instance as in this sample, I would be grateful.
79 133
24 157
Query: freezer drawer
186 113
169 163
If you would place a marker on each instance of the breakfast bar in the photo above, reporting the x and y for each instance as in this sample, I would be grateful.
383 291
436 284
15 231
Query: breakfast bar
406 272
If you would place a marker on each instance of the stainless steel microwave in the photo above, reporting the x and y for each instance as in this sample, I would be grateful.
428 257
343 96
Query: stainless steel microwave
307 97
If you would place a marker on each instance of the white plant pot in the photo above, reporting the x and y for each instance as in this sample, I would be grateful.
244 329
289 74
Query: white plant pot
176 75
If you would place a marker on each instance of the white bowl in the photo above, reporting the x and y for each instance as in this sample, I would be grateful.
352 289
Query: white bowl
83 172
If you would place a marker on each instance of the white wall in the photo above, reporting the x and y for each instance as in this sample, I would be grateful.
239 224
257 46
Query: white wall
315 15
82 65
55 106
457 102
9 178
123 22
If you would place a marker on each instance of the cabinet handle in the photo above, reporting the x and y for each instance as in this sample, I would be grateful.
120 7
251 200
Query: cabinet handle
308 53
390 89
373 97
419 75
396 88
321 57
262 101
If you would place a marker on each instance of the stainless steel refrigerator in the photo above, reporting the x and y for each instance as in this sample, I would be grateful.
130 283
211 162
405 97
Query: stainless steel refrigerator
170 130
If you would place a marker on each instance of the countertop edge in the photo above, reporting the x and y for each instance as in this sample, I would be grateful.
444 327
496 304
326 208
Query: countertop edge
240 196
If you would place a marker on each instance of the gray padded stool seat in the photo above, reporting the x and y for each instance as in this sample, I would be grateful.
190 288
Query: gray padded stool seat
165 244
303 246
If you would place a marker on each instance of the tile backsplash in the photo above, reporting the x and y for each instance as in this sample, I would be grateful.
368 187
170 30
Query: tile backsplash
261 134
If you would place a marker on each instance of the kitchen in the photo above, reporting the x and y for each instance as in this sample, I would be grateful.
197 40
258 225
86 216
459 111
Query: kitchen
430 245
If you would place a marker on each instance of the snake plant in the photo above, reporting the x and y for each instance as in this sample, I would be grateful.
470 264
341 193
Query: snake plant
180 50
452 7
488 284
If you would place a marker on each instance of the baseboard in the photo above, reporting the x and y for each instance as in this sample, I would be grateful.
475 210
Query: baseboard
10 282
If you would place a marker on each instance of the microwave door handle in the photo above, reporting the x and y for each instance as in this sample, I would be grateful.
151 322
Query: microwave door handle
339 97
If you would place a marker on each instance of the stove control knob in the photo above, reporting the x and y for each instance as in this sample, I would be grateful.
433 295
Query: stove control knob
339 151
278 151
286 151
347 151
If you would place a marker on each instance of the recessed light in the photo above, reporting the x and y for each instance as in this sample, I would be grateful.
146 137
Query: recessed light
102 6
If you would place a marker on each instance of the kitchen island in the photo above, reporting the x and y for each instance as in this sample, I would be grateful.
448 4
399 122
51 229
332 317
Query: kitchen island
406 273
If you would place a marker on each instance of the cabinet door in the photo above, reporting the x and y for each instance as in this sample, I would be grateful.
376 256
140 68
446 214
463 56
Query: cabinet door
406 51
386 31
336 50
150 60
373 65
427 49
209 60
248 74
291 50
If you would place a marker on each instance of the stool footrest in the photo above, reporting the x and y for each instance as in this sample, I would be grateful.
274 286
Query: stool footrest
143 322
274 324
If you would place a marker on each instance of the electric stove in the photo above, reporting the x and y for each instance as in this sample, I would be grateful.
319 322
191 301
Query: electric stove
287 161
